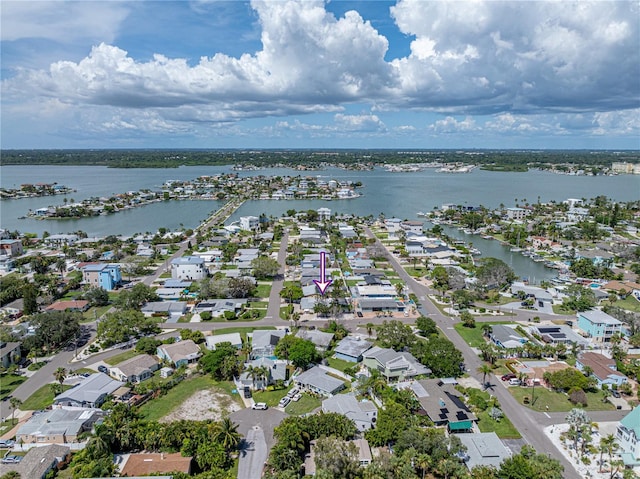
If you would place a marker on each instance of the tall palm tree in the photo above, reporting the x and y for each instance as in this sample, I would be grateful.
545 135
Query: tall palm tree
227 434
608 445
15 404
485 369
60 374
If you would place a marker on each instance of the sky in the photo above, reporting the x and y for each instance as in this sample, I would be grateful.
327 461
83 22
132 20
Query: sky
320 74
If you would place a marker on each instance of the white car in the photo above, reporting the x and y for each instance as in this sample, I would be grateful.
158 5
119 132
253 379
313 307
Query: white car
260 406
284 401
293 392
296 397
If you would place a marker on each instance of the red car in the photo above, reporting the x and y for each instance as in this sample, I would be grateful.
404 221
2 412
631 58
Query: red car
506 377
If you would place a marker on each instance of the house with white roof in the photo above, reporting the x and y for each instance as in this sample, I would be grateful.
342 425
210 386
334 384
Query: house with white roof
90 393
363 413
233 338
188 268
506 337
393 364
317 380
264 342
598 325
249 223
57 426
351 348
483 449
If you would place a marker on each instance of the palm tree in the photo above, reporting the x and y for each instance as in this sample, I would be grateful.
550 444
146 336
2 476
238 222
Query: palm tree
60 374
15 404
608 445
484 370
369 327
227 434
423 462
400 289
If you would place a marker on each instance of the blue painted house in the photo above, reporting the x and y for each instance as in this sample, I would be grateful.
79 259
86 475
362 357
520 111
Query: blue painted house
598 325
106 276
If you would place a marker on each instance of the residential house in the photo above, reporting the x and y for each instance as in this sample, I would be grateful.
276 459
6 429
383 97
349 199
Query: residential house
249 223
443 404
264 342
506 337
173 310
347 231
324 214
368 305
517 213
99 275
628 437
57 426
598 325
320 339
79 305
483 449
267 372
38 462
603 369
364 456
351 348
233 338
363 413
90 393
393 226
534 292
412 226
310 235
393 365
179 353
136 369
558 334
152 463
61 239
9 354
318 381
188 268
11 247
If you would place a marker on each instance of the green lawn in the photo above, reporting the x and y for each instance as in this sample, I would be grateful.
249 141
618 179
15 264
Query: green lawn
8 383
306 404
263 291
118 358
258 304
629 303
40 399
340 364
416 272
272 398
558 402
473 336
92 313
160 407
503 428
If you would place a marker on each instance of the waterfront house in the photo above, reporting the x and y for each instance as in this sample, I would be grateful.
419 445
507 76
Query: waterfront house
393 365
351 348
324 214
506 337
11 247
38 462
318 381
443 404
363 413
57 426
179 353
60 240
90 393
628 437
190 268
517 213
106 276
598 325
603 369
249 223
136 369
483 449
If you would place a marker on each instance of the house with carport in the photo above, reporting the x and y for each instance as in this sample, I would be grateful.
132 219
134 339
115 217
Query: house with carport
92 392
318 381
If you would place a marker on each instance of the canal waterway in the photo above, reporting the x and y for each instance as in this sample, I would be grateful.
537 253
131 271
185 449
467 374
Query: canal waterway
393 194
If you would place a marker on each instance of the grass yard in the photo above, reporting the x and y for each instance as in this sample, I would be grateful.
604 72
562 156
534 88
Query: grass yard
306 404
118 358
258 304
158 408
41 399
558 402
503 428
340 364
262 291
473 336
92 313
272 398
8 383
629 303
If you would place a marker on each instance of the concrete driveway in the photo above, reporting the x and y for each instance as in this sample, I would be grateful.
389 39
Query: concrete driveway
268 419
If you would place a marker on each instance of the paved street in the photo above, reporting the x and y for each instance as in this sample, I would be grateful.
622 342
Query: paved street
253 455
273 310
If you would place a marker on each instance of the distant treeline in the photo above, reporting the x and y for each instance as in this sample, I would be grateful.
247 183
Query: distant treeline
502 160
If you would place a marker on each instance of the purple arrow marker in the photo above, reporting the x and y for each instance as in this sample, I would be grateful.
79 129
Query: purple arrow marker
323 283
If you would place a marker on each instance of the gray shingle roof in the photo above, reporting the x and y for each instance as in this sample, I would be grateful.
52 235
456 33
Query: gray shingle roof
352 346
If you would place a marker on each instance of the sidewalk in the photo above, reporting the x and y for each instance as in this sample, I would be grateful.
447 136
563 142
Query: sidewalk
22 417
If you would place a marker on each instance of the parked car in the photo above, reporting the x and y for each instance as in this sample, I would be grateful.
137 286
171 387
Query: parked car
260 406
6 443
293 392
514 382
506 377
284 401
615 393
103 369
247 392
296 397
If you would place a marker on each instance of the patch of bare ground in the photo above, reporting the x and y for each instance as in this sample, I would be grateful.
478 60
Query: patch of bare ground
207 404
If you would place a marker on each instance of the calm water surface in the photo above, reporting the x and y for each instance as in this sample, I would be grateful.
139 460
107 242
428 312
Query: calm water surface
394 194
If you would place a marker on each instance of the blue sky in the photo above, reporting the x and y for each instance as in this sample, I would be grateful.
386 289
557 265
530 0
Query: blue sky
315 74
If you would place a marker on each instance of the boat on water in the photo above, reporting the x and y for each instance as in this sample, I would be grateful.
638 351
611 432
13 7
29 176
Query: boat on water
475 251
515 250
421 213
